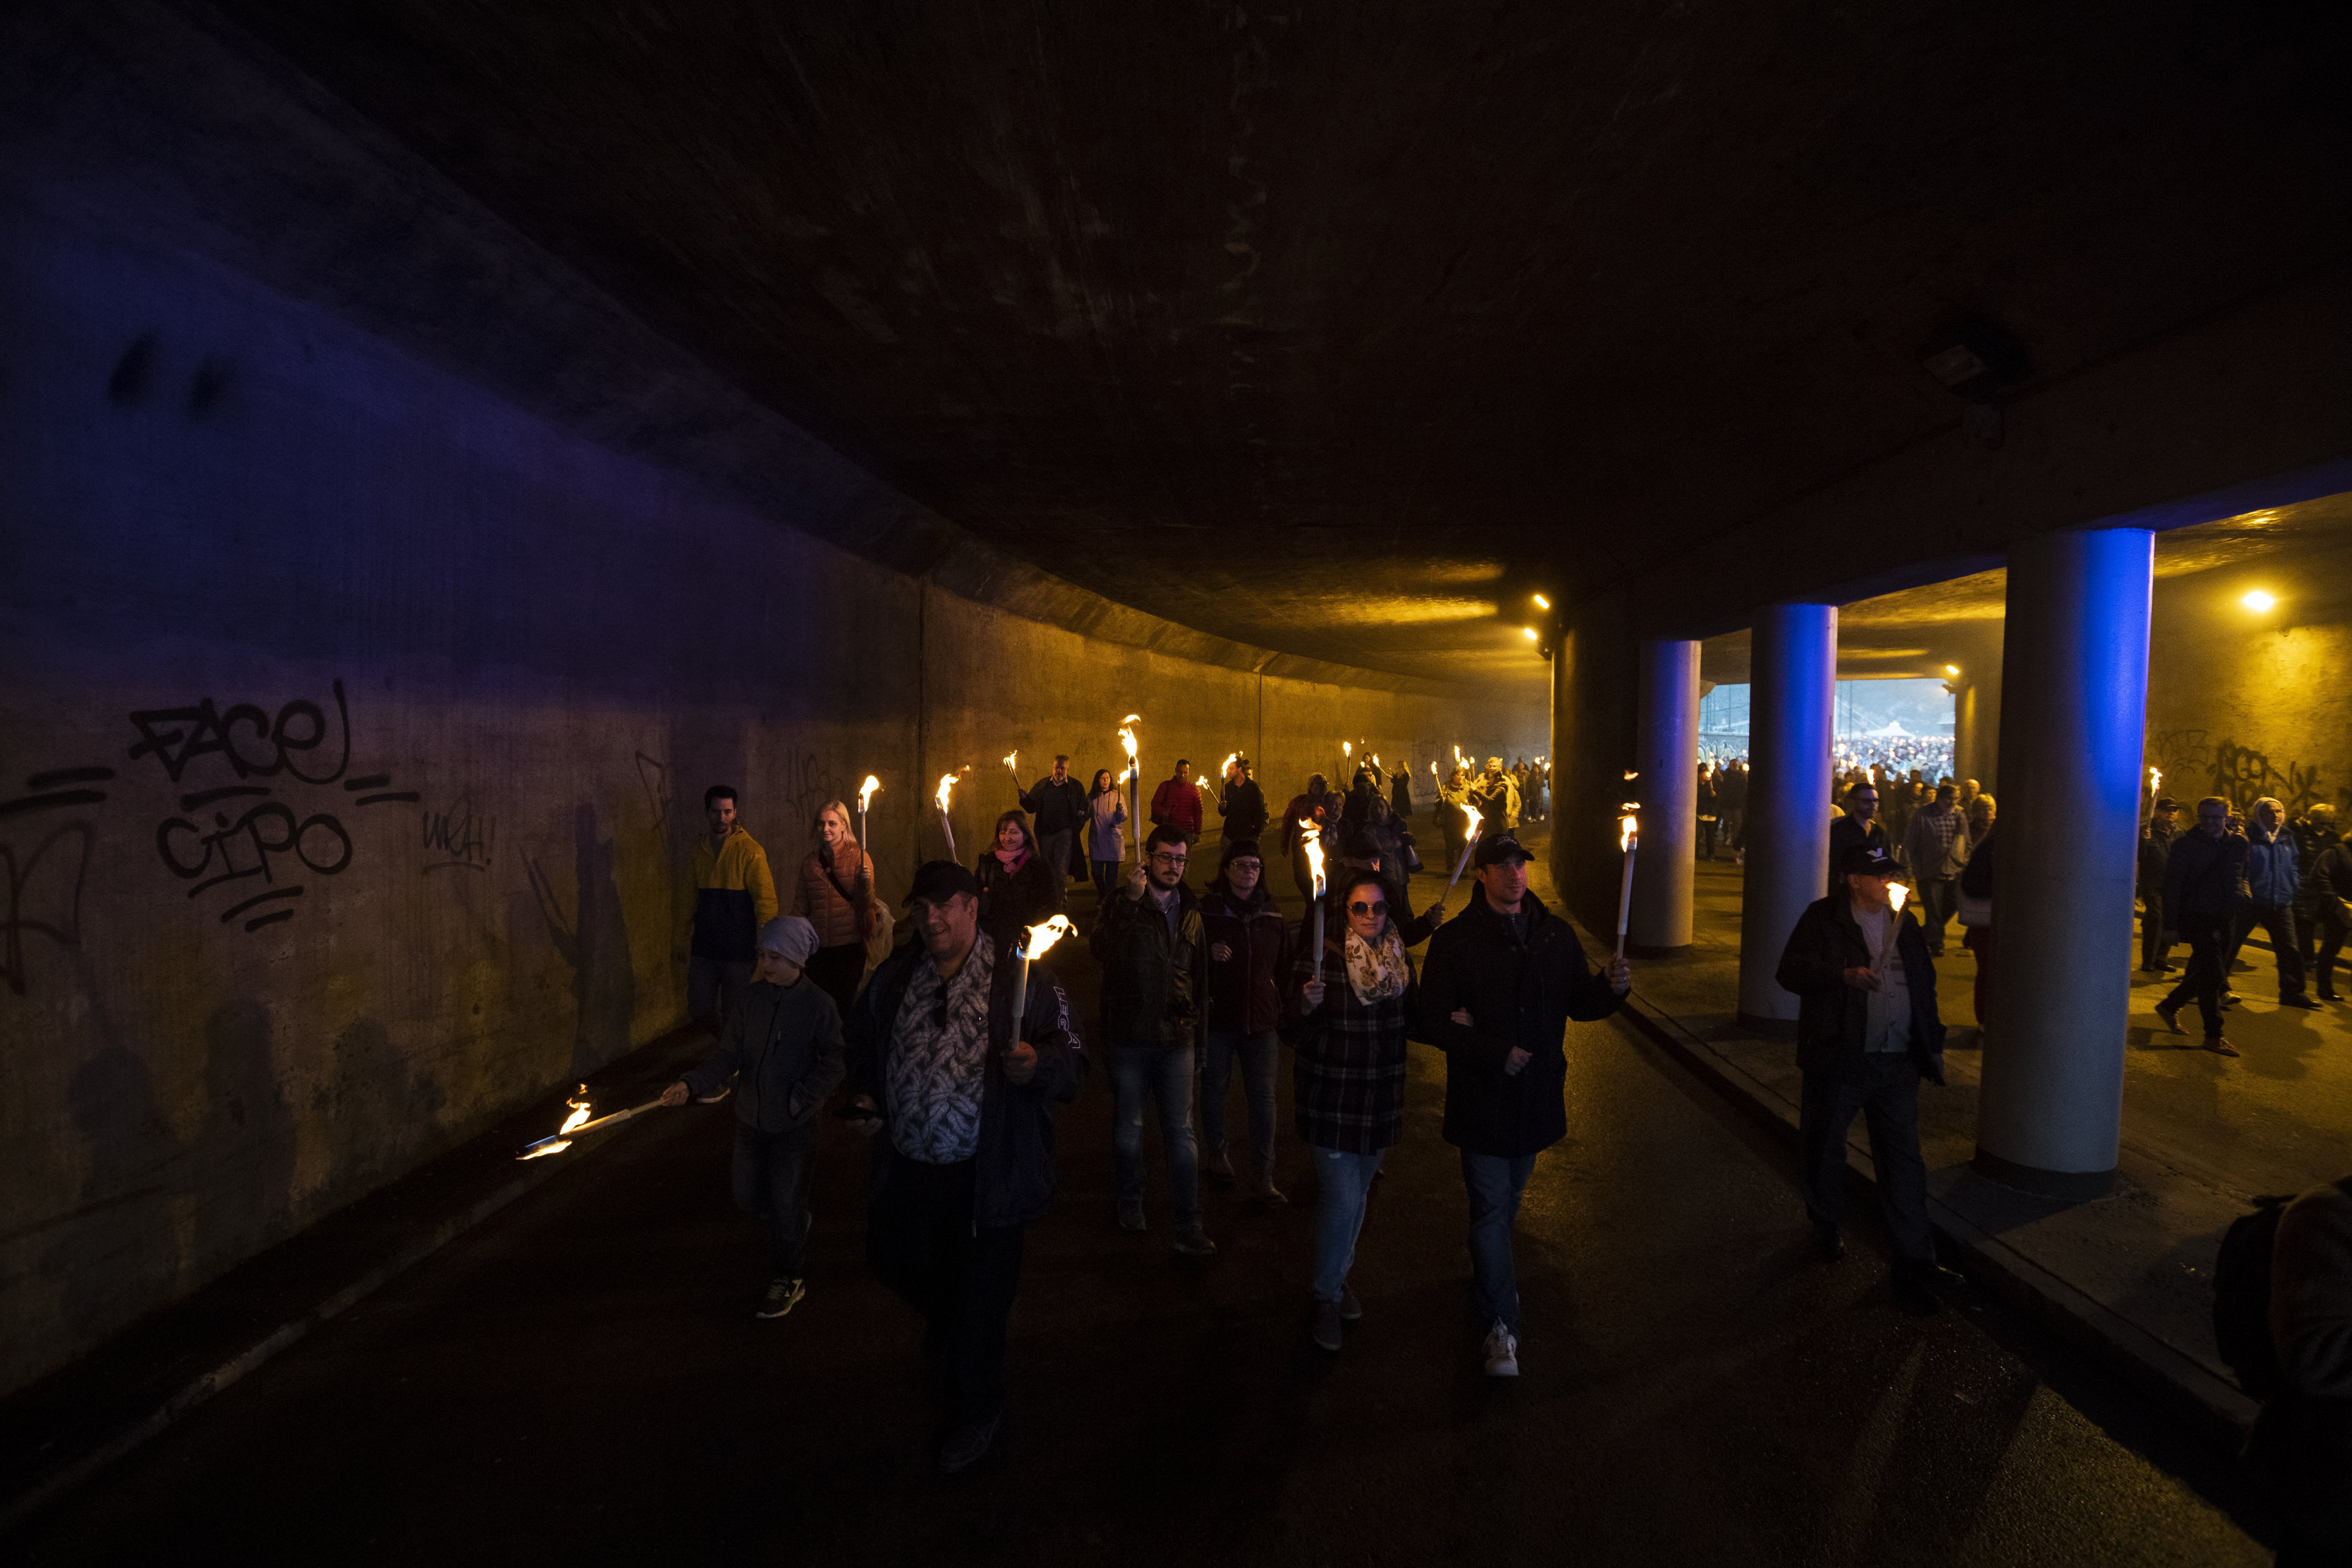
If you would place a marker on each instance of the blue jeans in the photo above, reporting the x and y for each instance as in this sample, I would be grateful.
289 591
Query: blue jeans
1495 1183
1258 1055
1166 1076
1342 1181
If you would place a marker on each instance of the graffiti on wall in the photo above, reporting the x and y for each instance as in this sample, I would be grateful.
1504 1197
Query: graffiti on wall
808 785
41 888
459 836
2191 759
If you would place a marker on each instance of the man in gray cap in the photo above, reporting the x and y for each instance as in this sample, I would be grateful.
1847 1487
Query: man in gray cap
782 1045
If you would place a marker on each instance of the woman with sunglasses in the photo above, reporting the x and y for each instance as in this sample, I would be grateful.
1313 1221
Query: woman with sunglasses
1349 1007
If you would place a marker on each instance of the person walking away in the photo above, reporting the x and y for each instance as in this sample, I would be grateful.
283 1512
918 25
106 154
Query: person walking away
1249 966
1059 806
1860 825
1154 961
1867 1032
1176 803
835 894
1731 796
1319 807
2154 847
1976 905
1348 1007
2314 833
2328 885
1017 888
1934 851
964 1093
734 899
2274 886
1401 793
2204 888
1708 814
1496 798
1106 839
1500 985
1241 809
782 1049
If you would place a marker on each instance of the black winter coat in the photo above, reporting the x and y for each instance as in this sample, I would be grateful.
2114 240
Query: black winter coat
1832 1017
2154 852
1242 808
1010 900
1058 807
1520 994
2204 875
1013 1162
782 1047
1245 989
1153 983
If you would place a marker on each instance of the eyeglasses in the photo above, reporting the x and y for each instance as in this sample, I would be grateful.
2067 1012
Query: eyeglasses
1167 859
1245 865
1360 908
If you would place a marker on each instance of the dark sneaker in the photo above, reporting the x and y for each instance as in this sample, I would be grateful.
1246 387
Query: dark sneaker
1130 1216
1266 1192
1218 1169
1323 1327
2170 1013
1827 1240
1351 1310
969 1443
1193 1242
2219 1047
782 1296
2299 1002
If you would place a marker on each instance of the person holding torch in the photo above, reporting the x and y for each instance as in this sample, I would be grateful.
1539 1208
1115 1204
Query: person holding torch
1501 984
1867 1032
962 1085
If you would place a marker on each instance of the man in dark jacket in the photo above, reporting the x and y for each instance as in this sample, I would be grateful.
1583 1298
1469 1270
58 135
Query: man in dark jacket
1497 990
1154 977
1317 807
2154 849
966 1091
2328 887
1249 960
1860 825
1242 806
2315 834
1867 1033
1058 802
2204 888
782 1045
2273 888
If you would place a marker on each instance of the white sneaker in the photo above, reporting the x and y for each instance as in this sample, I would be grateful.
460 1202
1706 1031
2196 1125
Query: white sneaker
1502 1352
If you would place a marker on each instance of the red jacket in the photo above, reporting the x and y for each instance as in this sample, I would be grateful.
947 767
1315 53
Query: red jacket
1178 804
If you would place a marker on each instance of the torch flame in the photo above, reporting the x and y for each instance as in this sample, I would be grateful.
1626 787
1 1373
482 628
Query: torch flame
1127 739
541 1152
1132 718
2154 779
1458 760
579 1114
1896 894
1312 837
1044 934
1433 768
1347 749
946 788
1631 774
1475 820
1202 782
1013 761
1231 758
865 790
1629 826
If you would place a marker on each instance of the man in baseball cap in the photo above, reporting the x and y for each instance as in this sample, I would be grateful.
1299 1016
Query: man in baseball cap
1867 1033
781 1046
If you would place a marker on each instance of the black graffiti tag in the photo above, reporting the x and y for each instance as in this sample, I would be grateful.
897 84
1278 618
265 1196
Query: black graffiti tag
244 848
254 744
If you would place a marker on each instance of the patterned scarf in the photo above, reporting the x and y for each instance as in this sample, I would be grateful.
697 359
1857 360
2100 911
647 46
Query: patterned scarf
1377 973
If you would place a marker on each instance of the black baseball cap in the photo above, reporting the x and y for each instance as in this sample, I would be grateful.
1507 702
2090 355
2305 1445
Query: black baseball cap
2166 803
938 880
1495 848
1867 860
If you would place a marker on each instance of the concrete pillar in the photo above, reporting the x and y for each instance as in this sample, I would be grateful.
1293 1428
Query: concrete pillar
2051 1112
1595 672
1976 729
1792 667
1666 752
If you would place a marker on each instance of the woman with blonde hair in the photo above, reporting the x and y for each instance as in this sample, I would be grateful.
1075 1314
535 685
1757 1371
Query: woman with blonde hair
835 893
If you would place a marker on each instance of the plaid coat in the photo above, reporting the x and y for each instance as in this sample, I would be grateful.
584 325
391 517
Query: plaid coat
1351 1056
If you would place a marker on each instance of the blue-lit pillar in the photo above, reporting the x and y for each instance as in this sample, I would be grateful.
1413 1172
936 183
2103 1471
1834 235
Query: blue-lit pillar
1792 672
1667 754
2074 702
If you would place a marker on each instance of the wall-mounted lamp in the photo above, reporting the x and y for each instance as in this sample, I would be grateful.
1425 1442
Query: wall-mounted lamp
1541 602
1951 669
2258 600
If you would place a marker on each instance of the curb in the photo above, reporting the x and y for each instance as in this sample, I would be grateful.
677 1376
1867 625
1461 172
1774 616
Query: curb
2220 1412
24 1503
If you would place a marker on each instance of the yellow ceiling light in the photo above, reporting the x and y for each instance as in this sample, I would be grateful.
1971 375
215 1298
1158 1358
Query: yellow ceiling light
1530 632
2258 600
1951 669
1541 602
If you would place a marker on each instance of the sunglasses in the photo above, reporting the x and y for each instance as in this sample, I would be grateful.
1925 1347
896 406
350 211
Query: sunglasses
1362 908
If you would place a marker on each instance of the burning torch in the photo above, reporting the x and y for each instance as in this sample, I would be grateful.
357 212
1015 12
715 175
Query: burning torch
1629 839
1469 843
1311 838
864 797
1032 946
947 788
1134 781
578 1122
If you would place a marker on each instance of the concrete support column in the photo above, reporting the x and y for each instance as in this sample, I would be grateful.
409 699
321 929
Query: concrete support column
1976 728
1666 752
1793 666
2051 1112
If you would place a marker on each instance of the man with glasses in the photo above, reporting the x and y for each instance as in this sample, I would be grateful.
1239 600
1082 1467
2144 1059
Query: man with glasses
1154 959
1859 826
2204 888
1497 990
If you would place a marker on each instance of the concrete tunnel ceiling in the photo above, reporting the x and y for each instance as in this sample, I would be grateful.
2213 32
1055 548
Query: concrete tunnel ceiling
1339 333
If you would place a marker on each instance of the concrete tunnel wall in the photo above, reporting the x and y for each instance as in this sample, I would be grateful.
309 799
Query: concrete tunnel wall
236 525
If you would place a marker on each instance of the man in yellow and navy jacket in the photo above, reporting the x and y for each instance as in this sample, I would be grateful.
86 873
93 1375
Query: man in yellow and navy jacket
734 899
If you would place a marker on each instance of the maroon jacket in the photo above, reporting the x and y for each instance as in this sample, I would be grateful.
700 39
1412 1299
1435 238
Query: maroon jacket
1245 989
1178 803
